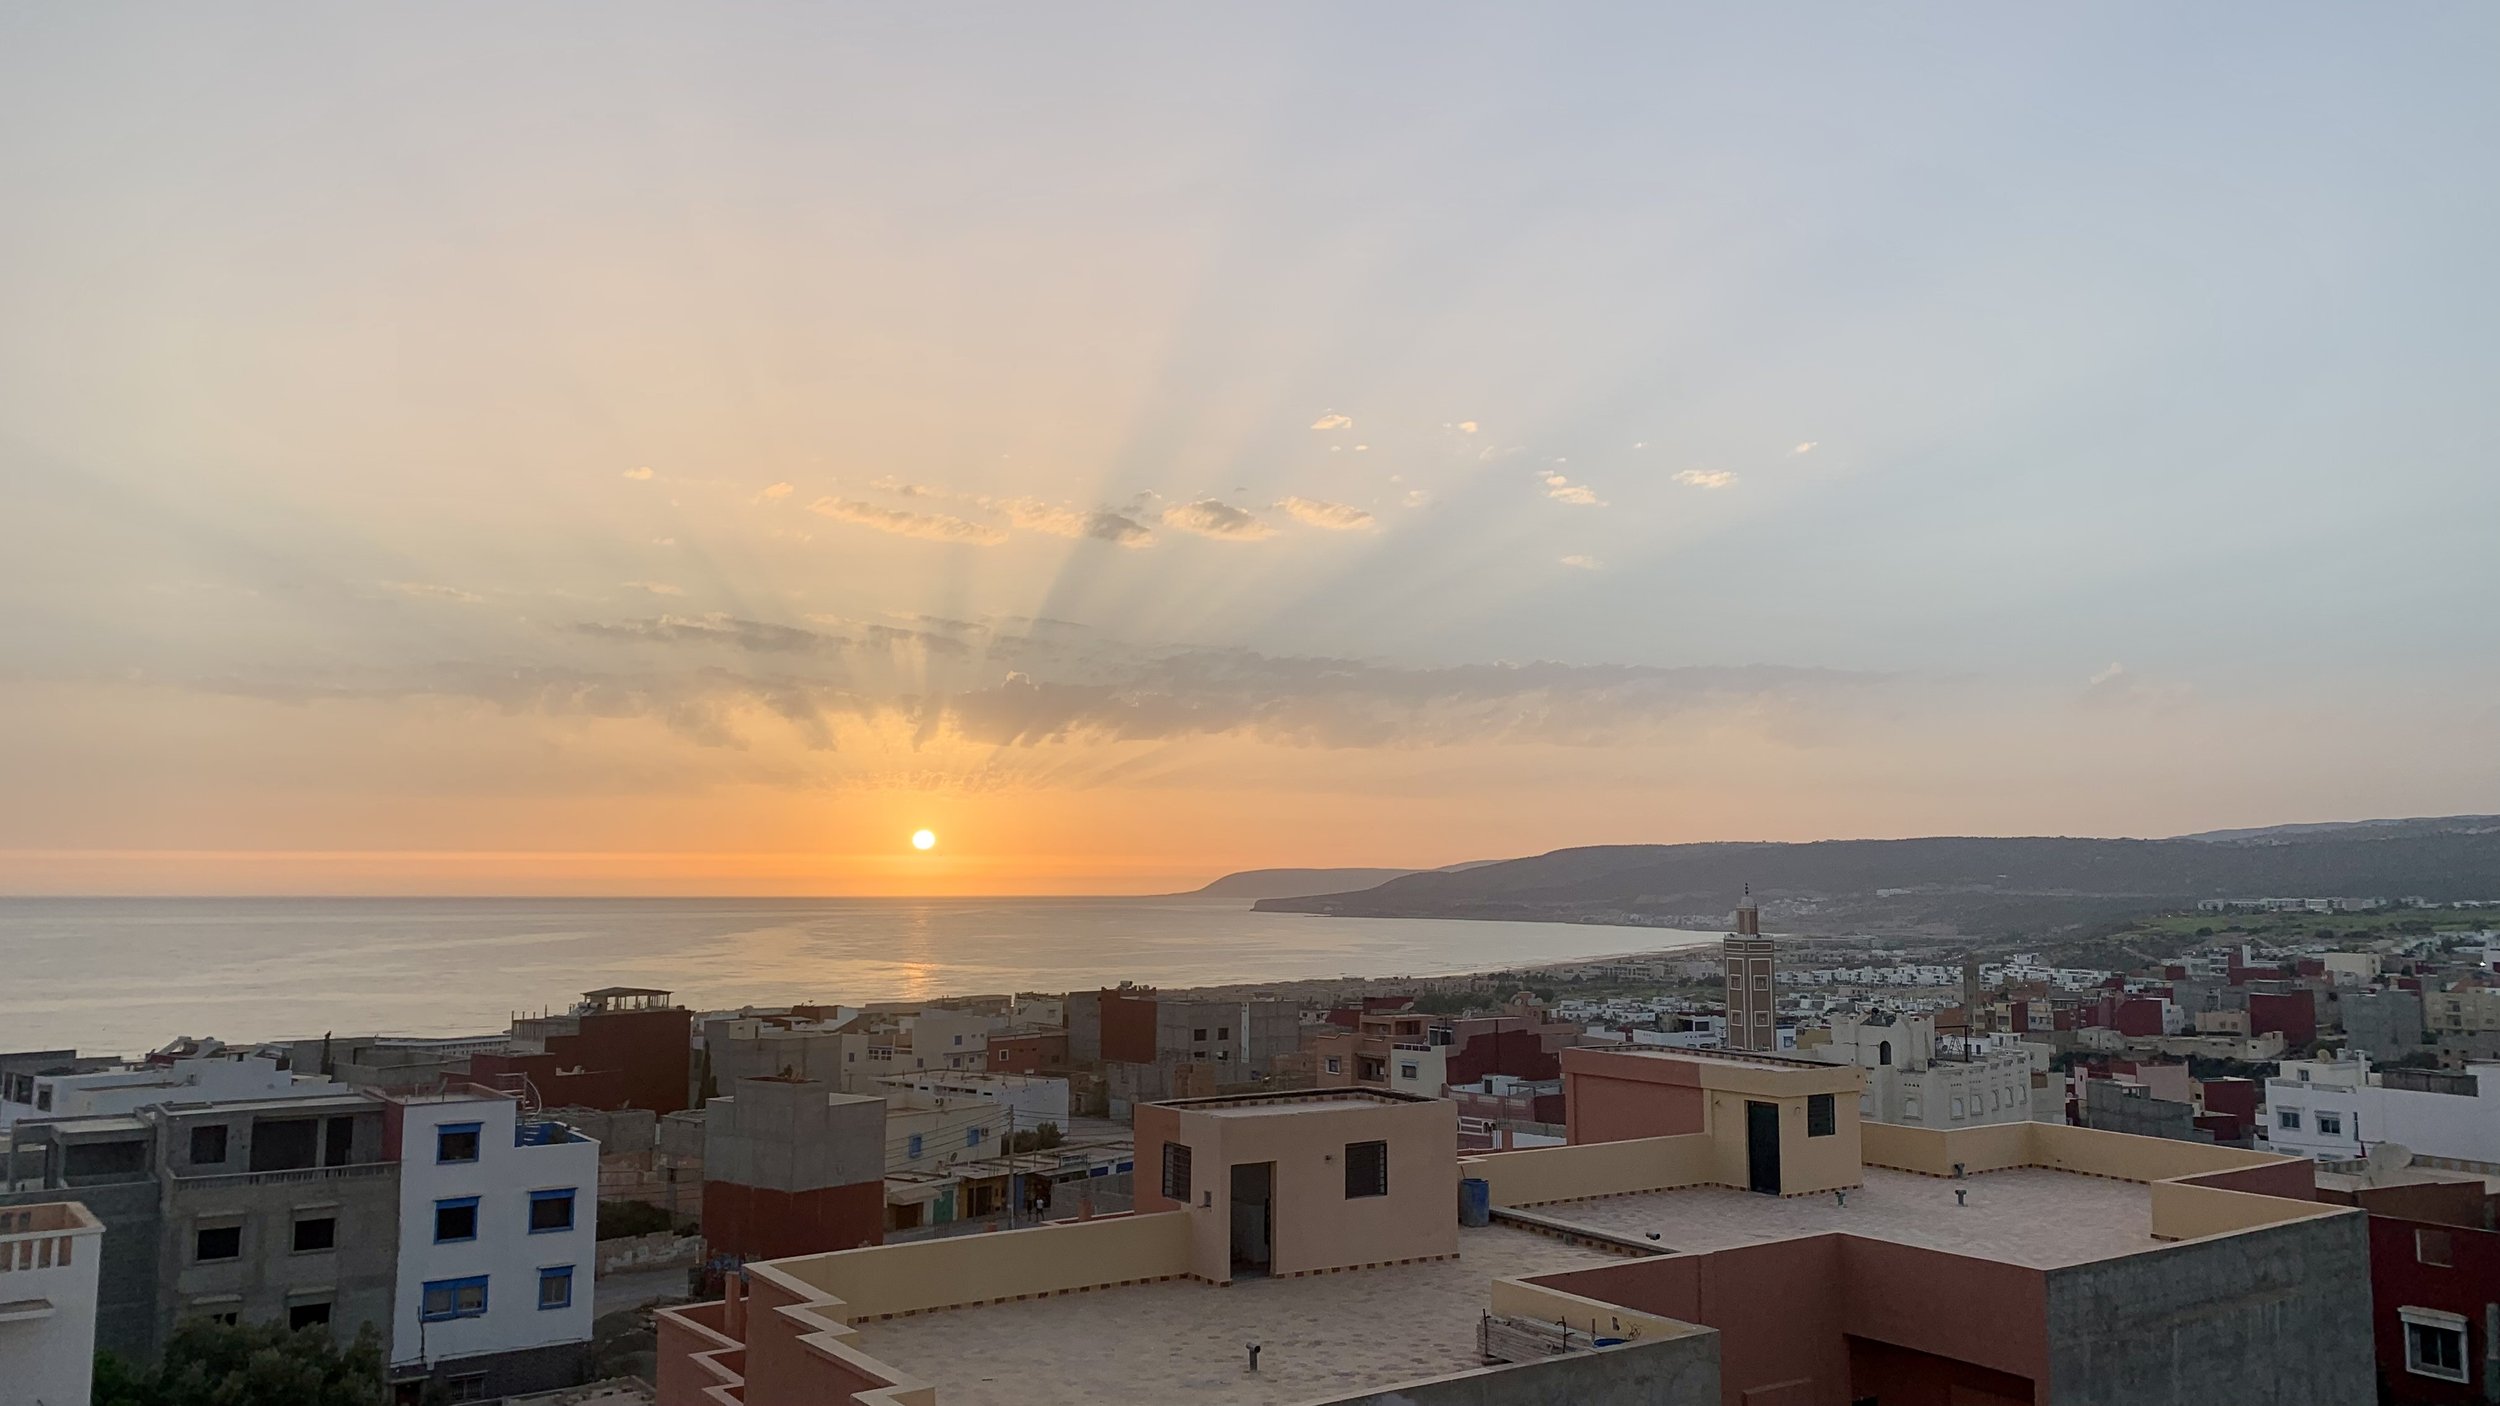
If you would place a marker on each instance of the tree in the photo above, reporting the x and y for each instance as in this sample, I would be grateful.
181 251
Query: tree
208 1363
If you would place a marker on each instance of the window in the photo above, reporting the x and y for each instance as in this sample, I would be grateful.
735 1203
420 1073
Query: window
555 1287
218 1242
1199 1035
551 1210
455 1219
1366 1169
1176 1171
959 1039
2288 1118
1762 983
456 1142
284 1144
972 1136
468 1386
1822 1119
1883 1052
208 1145
2434 1344
2433 1247
2330 1125
218 1313
911 1148
1408 1069
1223 1032
316 1233
1958 1108
300 1316
1335 1065
446 1299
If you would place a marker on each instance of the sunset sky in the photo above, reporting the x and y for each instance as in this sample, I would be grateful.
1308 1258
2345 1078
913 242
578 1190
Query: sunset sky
675 449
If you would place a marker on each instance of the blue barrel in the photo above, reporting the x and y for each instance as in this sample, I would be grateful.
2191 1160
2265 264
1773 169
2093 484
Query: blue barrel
1475 1201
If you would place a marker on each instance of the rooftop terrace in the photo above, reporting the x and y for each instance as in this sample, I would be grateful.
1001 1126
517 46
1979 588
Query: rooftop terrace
2028 1216
1322 1336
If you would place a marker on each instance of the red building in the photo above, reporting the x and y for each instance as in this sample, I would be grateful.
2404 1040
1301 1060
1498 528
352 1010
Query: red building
2435 1289
621 1047
2292 1014
1028 1053
792 1168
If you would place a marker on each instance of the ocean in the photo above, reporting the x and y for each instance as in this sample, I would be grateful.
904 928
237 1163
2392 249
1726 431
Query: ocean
121 975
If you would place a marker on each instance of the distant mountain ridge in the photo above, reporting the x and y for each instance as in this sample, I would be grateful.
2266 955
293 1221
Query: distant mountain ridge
1298 883
1957 883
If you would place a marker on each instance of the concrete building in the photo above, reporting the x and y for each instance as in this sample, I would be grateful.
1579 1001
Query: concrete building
618 1047
792 1167
49 1262
192 1071
1276 1262
1029 1100
2466 1011
1749 969
1142 1039
1910 1082
2338 1109
2385 1025
498 1226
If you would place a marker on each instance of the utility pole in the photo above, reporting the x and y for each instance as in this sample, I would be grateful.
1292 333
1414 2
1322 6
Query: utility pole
1009 1148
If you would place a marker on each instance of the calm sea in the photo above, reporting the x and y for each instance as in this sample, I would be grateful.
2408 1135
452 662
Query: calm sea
123 975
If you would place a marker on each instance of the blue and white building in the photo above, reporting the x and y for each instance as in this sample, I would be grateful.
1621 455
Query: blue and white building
498 1244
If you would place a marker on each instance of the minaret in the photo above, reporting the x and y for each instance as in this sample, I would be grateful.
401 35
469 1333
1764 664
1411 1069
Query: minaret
1752 987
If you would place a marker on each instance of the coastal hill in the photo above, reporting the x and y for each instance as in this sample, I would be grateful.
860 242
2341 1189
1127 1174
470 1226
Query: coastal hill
1949 884
1298 883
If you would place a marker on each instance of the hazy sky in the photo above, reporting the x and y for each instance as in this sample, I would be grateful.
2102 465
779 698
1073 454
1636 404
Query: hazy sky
627 448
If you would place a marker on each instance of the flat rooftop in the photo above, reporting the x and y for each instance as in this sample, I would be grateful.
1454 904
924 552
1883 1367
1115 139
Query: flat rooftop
1294 1101
2026 1216
1322 1335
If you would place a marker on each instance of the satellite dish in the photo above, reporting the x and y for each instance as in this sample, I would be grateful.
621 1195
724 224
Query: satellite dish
2387 1157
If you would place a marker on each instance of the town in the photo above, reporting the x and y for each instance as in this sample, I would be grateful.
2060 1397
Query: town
2262 1164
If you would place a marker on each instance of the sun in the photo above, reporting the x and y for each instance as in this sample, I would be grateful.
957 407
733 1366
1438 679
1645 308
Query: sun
924 839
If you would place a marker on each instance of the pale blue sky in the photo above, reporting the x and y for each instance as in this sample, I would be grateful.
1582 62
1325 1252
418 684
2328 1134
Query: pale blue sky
2146 359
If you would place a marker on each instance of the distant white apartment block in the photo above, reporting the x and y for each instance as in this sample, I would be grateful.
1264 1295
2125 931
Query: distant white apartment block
50 1255
193 1072
1912 1082
497 1245
1033 1099
2336 1109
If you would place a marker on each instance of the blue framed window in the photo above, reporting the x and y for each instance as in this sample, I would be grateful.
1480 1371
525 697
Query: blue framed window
913 1146
551 1210
456 1142
972 1136
555 1287
446 1299
455 1219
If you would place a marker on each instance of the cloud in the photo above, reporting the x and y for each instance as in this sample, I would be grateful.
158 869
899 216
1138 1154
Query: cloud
657 588
932 527
1467 427
1417 497
1059 520
1333 421
774 492
1806 448
890 484
427 590
1563 490
729 631
1210 518
2117 686
638 475
1705 478
1583 562
1336 517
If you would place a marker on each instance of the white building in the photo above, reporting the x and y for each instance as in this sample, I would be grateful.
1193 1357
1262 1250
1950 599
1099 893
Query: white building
497 1245
1909 1085
2336 1109
49 1258
1033 1099
201 1071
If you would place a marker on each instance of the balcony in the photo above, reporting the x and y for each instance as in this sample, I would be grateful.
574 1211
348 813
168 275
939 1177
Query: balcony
291 1175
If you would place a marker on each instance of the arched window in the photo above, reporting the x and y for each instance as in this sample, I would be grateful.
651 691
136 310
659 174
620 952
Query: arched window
1883 1053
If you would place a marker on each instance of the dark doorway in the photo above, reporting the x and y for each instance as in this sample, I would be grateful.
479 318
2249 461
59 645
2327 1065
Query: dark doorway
1253 1230
1762 1146
338 1141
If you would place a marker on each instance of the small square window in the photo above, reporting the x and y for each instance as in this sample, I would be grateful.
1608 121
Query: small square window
1408 1069
2434 1247
2434 1349
551 1210
555 1287
455 1219
208 1145
314 1233
218 1242
468 1386
1223 1032
1366 1169
453 1298
1822 1119
1199 1035
456 1142
1335 1065
2289 1118
308 1315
